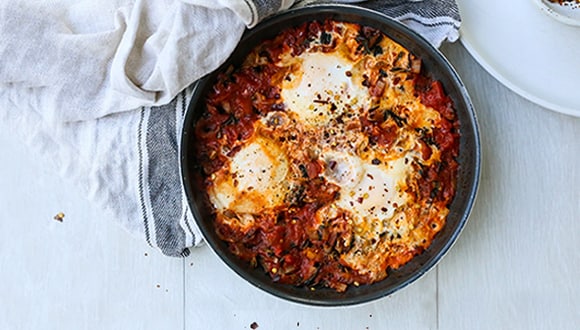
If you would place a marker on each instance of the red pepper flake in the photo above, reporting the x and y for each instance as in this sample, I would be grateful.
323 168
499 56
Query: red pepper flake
254 325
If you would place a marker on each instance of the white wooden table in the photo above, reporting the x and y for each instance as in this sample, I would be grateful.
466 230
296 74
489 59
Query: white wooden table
516 265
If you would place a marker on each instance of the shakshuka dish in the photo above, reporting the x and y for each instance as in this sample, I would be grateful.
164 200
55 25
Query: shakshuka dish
327 157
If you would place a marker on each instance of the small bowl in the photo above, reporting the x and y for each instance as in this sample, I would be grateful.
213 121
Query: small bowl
468 174
566 12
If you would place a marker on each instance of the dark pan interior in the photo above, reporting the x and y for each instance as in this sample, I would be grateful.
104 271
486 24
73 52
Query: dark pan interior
469 159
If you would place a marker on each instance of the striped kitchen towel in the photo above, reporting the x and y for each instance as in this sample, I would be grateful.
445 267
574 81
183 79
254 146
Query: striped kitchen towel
101 90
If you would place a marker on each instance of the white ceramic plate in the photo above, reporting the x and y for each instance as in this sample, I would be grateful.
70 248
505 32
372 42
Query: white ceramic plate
529 52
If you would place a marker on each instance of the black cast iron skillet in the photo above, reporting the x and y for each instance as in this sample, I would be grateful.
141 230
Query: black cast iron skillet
437 67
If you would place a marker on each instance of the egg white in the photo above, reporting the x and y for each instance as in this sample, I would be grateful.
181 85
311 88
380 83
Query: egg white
252 181
369 192
323 88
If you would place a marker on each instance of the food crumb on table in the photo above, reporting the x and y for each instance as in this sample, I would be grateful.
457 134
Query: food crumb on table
59 217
